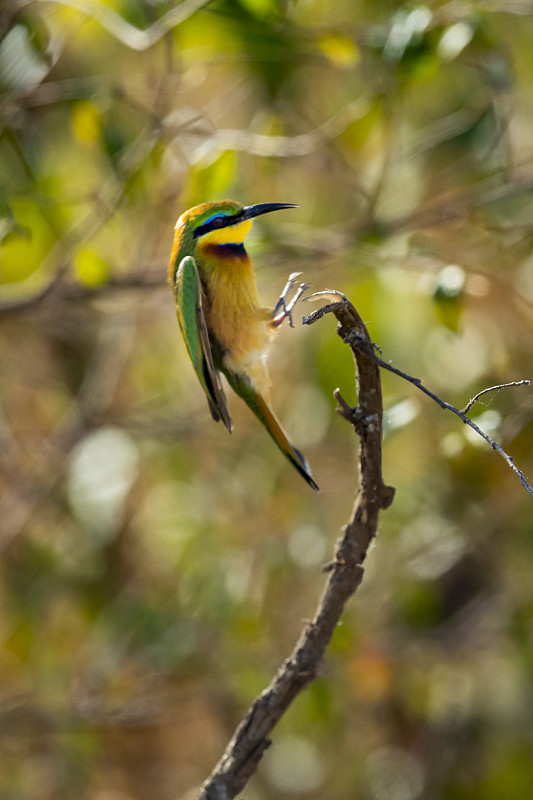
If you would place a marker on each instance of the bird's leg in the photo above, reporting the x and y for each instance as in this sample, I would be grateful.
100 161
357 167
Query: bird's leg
288 286
283 309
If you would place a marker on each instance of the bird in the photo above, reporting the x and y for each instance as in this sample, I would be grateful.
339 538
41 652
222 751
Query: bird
224 328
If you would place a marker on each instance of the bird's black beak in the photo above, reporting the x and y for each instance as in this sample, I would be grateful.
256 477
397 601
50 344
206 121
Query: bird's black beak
249 212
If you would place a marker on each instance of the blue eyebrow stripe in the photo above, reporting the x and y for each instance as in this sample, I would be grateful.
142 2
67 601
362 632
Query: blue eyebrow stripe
214 216
205 226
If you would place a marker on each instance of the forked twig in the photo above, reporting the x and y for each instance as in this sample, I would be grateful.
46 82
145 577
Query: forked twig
370 350
476 397
461 414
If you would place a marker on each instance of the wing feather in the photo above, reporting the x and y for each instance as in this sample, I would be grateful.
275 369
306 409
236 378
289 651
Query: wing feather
189 309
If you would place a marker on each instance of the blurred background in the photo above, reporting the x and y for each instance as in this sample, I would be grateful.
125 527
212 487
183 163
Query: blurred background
156 571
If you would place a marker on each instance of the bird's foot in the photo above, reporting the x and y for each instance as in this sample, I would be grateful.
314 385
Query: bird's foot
283 309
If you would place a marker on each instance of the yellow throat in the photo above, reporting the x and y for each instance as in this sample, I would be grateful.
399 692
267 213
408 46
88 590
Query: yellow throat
233 234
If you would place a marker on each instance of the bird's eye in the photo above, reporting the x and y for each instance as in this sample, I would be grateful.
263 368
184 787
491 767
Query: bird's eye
219 222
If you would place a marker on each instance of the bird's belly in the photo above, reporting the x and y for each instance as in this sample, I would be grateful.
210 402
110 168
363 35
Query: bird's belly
252 366
243 338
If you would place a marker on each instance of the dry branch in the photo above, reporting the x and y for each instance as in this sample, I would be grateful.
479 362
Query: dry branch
369 349
496 388
462 415
345 571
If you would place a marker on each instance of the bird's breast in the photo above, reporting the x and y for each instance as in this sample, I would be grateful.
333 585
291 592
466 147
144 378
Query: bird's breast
233 316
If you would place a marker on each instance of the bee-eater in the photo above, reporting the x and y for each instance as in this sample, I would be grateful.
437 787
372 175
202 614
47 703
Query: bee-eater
224 327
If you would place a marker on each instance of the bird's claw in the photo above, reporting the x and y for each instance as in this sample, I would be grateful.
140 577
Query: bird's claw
283 310
288 286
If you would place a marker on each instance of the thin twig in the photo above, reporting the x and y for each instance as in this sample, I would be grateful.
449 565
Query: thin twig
462 415
476 397
370 350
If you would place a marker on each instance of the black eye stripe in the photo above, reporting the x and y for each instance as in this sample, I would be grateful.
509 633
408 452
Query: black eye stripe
217 222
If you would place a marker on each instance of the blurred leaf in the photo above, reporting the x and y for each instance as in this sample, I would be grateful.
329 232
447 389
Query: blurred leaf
448 296
214 179
86 121
261 9
341 51
363 130
30 238
89 268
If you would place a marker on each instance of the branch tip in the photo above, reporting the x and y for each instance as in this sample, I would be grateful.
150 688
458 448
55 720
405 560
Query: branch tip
462 415
524 382
346 411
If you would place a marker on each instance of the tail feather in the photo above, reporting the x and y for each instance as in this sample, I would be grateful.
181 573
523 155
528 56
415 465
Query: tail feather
242 386
274 428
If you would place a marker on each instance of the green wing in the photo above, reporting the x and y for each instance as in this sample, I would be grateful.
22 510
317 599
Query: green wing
188 294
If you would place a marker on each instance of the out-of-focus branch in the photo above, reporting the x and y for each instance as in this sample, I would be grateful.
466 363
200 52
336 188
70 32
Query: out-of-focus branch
59 292
250 739
57 261
451 208
284 146
122 30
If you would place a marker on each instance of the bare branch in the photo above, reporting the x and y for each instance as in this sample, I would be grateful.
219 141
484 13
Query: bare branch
344 572
462 415
122 30
476 397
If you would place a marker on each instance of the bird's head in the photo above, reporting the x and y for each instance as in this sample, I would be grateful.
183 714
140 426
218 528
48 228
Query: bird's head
222 223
